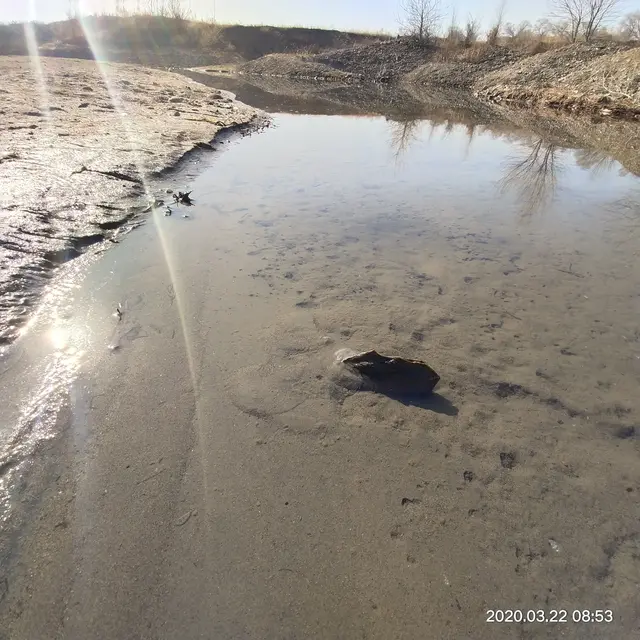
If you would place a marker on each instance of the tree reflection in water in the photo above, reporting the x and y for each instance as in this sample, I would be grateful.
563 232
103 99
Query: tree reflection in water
598 162
403 134
534 177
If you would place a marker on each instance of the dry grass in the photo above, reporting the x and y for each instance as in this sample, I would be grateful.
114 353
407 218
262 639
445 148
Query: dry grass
614 78
480 52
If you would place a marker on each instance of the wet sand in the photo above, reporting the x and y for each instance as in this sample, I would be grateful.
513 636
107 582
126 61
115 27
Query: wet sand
214 478
81 146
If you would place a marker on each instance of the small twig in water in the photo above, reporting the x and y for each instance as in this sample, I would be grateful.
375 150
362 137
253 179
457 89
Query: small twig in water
153 475
571 273
512 315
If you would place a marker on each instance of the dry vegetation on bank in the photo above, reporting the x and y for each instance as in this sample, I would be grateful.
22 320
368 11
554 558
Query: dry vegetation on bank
601 78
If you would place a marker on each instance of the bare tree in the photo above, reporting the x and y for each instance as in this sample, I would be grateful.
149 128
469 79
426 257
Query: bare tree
533 177
598 13
630 26
584 17
471 30
572 14
420 18
494 31
403 134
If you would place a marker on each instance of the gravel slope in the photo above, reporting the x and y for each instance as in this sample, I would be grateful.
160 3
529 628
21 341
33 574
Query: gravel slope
603 76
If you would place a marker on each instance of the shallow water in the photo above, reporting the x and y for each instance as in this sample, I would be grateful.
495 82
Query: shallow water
359 199
503 259
447 135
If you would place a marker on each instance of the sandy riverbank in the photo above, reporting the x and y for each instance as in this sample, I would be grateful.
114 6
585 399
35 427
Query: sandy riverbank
81 146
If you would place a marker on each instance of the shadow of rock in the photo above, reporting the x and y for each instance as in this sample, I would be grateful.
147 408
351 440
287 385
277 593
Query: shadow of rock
431 402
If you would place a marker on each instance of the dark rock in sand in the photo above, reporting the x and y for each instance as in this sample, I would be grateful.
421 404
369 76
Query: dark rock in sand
507 389
183 198
394 376
625 432
507 459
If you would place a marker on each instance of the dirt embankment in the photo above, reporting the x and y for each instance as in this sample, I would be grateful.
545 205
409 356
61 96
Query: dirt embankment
164 41
602 78
460 69
377 62
381 61
294 66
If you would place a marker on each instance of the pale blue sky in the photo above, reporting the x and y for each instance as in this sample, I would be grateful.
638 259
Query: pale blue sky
339 14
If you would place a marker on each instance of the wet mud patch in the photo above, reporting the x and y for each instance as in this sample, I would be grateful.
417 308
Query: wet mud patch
78 174
288 390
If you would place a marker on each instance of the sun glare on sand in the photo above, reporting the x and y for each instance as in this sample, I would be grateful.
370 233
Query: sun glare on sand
59 336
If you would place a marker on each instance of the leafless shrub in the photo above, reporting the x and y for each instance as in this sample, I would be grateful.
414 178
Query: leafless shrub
494 32
519 32
542 28
454 34
630 26
471 31
534 47
475 54
177 11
